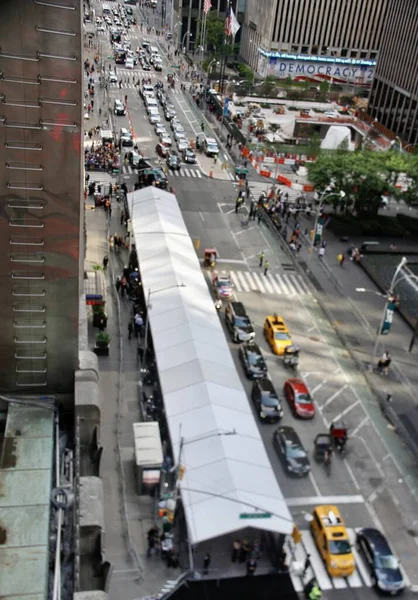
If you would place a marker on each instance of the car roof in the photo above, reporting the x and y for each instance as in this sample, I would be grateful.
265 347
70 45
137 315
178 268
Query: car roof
376 539
332 521
289 433
266 385
239 309
277 322
252 347
297 383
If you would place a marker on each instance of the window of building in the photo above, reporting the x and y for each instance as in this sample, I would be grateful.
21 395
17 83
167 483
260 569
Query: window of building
353 53
295 48
363 54
344 51
324 50
373 55
305 49
314 50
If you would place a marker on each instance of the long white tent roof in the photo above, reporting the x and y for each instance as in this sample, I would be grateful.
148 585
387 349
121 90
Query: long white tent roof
225 475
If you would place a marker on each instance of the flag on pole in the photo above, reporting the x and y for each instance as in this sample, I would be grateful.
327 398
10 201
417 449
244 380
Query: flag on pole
207 5
231 23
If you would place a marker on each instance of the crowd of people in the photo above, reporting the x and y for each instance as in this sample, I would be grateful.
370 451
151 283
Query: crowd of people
101 157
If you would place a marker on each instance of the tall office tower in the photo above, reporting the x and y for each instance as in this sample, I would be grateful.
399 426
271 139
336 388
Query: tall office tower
41 218
283 37
394 96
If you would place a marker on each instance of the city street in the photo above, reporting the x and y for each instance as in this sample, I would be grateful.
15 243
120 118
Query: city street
376 483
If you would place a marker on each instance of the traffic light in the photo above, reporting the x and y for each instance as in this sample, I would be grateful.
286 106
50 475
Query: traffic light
296 535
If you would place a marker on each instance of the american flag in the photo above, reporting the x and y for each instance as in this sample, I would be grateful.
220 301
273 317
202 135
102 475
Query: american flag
228 21
207 5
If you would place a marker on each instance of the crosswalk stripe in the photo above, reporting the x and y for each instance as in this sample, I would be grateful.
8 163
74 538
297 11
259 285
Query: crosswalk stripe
289 285
283 284
276 287
235 280
257 279
243 281
297 285
251 281
321 574
363 570
267 284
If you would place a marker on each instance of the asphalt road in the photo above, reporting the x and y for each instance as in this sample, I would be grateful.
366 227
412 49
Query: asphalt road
364 483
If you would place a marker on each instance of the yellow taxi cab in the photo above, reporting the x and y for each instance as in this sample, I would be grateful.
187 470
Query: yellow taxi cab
277 333
332 540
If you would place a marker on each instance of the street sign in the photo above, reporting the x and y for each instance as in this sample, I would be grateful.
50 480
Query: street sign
255 516
319 229
389 314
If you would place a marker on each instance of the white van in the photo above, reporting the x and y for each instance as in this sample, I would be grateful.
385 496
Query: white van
129 63
153 50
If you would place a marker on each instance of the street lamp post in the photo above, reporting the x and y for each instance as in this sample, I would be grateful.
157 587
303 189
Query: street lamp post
388 298
184 37
325 195
148 307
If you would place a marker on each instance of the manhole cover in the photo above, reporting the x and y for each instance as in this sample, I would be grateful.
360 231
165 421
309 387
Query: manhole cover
288 267
375 481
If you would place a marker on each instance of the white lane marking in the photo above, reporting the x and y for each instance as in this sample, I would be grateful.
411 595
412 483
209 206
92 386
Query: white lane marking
347 410
315 485
324 381
267 283
257 278
276 287
243 281
339 583
252 283
364 572
289 285
316 561
331 398
296 282
283 284
235 281
308 500
359 426
201 215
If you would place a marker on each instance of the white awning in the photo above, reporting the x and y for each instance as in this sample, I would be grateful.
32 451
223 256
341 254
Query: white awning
227 477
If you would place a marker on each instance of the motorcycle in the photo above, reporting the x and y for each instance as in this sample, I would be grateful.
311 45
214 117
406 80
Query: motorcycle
291 357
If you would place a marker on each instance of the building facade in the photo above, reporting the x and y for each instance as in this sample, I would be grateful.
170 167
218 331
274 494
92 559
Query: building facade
394 95
41 220
338 33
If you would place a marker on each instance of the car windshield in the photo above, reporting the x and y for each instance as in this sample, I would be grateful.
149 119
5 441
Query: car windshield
294 451
242 321
303 399
269 400
255 359
386 562
281 335
339 547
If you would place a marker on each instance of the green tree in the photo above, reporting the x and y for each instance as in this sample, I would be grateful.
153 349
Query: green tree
366 176
215 29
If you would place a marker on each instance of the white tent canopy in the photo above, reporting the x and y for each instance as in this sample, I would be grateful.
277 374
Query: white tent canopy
226 475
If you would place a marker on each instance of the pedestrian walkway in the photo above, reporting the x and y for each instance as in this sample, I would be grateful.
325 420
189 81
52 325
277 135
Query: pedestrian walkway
360 578
184 172
289 284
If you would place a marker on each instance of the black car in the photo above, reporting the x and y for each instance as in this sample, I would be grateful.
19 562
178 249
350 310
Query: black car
189 156
293 455
173 161
145 66
169 114
238 321
253 361
383 565
266 401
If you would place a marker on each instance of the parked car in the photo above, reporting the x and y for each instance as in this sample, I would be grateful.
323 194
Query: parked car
160 129
290 451
126 138
166 140
173 161
182 144
383 564
299 399
238 322
266 401
252 360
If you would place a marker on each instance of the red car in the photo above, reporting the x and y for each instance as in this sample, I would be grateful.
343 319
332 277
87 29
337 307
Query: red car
300 402
162 150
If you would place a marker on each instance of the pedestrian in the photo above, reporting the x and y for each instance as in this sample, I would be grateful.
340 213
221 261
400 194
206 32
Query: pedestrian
341 259
139 323
151 536
110 190
215 159
206 563
238 204
306 565
105 262
251 566
262 255
122 218
266 267
92 105
130 329
235 550
102 323
321 252
258 216
109 208
117 284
